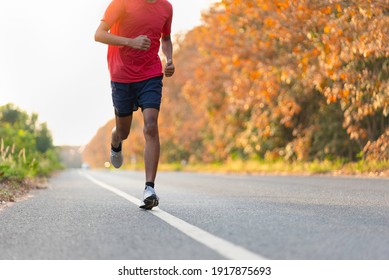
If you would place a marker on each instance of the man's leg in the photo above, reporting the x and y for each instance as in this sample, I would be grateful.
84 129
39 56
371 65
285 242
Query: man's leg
152 147
124 101
119 133
151 157
149 99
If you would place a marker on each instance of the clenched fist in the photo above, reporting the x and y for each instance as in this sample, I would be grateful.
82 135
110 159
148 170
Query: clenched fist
142 42
169 68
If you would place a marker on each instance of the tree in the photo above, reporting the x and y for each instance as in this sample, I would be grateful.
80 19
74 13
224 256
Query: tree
298 80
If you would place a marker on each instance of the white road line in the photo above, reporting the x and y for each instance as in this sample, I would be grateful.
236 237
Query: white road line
219 245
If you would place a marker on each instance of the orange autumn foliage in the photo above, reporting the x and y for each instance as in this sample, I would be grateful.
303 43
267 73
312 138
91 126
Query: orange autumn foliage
300 79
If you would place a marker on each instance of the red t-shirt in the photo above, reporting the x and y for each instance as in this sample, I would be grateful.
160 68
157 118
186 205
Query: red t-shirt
131 18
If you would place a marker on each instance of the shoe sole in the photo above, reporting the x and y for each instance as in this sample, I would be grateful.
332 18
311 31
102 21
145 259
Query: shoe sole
117 164
150 202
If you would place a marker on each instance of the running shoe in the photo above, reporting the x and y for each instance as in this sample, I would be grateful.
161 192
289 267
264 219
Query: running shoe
150 199
116 158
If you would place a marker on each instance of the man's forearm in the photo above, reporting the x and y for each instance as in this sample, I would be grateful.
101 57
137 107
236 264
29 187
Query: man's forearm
111 39
142 42
167 48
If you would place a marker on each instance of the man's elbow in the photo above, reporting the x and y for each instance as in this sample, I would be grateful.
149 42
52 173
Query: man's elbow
101 32
98 36
166 38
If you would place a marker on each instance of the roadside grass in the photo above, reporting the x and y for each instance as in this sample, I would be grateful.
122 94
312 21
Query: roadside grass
13 165
18 174
339 167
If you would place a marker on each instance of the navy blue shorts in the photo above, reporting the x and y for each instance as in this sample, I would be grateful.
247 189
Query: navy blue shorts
128 97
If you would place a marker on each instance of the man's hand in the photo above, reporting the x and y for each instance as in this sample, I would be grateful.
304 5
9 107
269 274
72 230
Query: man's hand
169 68
142 42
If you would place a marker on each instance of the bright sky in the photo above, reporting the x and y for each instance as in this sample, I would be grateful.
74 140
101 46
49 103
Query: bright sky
51 65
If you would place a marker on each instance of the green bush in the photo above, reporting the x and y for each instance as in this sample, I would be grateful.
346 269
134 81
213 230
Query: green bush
26 148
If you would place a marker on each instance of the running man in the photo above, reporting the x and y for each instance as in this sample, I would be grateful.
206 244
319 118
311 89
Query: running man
133 31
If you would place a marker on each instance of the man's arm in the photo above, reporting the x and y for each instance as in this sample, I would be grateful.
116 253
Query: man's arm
167 49
103 35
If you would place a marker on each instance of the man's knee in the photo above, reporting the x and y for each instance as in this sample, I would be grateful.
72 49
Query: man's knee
150 129
150 117
121 134
123 127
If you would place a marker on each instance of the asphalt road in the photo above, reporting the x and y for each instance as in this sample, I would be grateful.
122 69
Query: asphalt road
94 215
